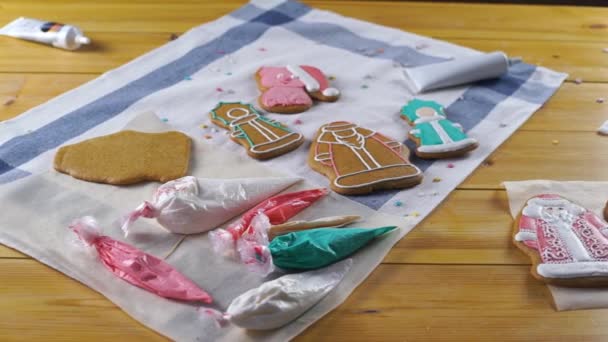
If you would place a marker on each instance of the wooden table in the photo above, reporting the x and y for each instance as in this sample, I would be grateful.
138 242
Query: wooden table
455 277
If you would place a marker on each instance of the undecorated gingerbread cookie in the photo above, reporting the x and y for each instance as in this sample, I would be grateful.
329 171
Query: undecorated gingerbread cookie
291 89
434 135
263 138
567 243
127 157
358 160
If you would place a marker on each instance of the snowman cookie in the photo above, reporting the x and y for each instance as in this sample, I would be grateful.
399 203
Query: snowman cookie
291 89
435 136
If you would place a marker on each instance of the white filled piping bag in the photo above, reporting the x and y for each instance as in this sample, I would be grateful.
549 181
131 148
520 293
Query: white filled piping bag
458 71
62 36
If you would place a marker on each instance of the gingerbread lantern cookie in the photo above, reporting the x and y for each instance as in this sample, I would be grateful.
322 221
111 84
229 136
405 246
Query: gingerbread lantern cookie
358 160
435 136
263 138
291 89
567 243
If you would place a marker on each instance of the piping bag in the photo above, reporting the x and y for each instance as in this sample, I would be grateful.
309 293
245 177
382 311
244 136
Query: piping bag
280 301
62 36
191 205
458 71
276 210
137 267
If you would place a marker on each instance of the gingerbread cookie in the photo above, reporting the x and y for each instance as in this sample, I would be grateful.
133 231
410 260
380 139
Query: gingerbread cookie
291 89
127 157
435 136
567 243
263 138
358 160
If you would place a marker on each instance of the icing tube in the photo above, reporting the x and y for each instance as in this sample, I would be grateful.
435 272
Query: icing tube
190 205
278 209
137 267
58 35
458 71
280 301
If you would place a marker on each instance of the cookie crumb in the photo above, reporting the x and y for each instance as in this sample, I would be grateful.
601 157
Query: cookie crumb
215 130
555 56
204 126
9 101
487 163
578 80
380 50
600 100
365 86
398 203
555 142
450 166
173 36
435 193
436 180
219 89
228 73
502 125
207 136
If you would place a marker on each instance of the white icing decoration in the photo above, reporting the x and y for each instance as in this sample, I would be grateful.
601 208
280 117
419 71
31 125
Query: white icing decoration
603 129
264 131
523 236
330 92
309 82
428 118
357 150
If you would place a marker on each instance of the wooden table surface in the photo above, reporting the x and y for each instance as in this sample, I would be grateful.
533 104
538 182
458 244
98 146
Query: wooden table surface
455 277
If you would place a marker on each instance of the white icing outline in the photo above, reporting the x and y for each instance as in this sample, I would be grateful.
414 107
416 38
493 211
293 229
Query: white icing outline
330 92
523 236
325 129
309 82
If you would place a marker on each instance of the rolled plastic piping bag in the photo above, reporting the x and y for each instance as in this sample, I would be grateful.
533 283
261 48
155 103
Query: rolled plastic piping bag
459 71
137 267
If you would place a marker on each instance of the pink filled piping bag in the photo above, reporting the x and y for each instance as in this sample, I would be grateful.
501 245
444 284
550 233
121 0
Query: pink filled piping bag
136 267
278 209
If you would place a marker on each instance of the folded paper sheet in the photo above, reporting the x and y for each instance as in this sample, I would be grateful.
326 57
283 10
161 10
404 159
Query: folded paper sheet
591 195
181 82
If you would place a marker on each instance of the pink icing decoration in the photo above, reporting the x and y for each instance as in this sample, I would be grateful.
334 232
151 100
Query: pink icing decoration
285 96
317 75
278 77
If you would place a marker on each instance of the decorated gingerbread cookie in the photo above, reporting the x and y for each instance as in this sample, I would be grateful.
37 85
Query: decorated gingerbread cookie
435 136
127 157
291 89
567 243
358 160
263 138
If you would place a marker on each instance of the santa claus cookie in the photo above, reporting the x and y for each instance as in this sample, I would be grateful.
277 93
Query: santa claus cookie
434 135
291 89
358 160
567 243
263 138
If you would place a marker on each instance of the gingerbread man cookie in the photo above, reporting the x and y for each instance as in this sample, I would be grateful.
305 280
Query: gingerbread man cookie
263 138
567 243
435 136
291 89
358 160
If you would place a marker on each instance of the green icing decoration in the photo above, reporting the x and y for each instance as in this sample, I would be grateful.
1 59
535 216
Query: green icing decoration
316 248
409 110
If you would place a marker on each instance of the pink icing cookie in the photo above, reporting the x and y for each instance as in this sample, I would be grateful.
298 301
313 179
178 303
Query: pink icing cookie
291 89
568 244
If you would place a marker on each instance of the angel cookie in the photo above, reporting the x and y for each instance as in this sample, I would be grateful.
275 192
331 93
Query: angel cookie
358 160
263 138
291 89
434 135
567 243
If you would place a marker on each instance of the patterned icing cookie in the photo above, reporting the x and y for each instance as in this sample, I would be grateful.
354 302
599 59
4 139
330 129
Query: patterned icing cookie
263 138
434 135
567 243
358 160
127 157
291 89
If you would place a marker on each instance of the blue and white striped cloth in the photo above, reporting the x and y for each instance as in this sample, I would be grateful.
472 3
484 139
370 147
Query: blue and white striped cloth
184 79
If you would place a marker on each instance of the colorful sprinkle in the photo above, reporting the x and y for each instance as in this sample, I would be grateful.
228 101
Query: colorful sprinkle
502 125
450 166
415 214
207 136
600 100
215 130
578 80
164 119
204 126
262 49
228 74
331 78
297 122
398 203
219 89
188 78
436 180
555 142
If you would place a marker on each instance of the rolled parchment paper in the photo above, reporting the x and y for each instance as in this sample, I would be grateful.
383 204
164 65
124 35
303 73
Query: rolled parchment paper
326 222
458 71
